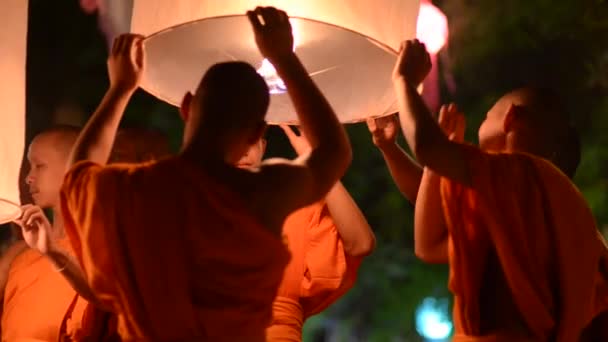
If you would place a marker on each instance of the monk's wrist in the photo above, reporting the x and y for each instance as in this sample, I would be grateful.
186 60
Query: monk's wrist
58 259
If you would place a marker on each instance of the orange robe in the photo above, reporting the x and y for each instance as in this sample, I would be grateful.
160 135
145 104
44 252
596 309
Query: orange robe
524 251
318 274
36 299
175 255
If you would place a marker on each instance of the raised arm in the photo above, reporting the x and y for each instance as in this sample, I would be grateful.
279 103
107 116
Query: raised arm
425 138
405 171
125 68
430 231
354 230
331 153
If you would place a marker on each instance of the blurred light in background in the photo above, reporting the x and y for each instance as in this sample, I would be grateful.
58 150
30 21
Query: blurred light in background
433 320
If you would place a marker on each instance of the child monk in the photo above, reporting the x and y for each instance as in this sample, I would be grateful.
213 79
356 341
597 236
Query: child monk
36 294
522 244
327 241
189 248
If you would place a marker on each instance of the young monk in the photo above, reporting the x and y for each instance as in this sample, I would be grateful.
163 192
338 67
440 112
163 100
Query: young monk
35 310
505 217
189 248
36 294
327 241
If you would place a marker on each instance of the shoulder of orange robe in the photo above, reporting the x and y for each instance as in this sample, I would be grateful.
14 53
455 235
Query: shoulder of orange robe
319 273
132 144
541 230
143 233
330 271
34 283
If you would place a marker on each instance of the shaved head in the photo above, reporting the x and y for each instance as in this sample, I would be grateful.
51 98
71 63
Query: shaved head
61 137
226 114
536 118
546 113
231 95
47 158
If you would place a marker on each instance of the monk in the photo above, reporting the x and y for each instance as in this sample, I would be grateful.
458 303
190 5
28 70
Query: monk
36 294
327 241
189 248
523 260
25 317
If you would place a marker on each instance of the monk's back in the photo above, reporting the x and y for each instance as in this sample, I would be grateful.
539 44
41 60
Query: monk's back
187 261
525 251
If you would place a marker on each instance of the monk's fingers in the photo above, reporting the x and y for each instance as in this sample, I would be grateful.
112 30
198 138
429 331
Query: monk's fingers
371 124
115 45
121 41
443 113
289 132
271 17
254 19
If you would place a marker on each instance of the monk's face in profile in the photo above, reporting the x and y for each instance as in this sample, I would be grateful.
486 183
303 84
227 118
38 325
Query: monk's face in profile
47 161
492 132
254 155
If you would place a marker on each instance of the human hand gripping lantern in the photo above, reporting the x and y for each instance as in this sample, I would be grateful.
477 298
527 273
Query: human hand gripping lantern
349 48
13 37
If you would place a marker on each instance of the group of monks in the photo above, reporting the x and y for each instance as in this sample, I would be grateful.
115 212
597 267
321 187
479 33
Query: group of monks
217 244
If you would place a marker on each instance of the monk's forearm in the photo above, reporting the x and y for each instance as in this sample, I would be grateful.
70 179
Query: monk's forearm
96 139
405 171
430 232
72 272
426 139
324 132
421 132
355 232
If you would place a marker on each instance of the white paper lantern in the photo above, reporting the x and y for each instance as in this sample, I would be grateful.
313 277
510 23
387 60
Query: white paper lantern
13 38
348 46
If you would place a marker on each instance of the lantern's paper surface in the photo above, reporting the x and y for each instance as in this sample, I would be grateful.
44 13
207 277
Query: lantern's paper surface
348 46
13 38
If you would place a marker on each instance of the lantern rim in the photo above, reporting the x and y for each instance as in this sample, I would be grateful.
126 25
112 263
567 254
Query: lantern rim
158 94
9 216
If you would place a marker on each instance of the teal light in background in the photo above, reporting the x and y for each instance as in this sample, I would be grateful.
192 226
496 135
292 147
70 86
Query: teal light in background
433 320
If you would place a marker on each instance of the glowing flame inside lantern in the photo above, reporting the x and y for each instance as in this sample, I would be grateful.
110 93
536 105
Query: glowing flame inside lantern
267 70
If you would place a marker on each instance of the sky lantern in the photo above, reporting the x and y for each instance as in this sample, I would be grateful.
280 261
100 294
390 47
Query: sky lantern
348 46
13 40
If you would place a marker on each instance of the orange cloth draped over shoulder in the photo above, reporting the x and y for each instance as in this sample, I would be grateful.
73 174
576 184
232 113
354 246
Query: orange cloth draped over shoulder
524 251
319 272
175 255
36 299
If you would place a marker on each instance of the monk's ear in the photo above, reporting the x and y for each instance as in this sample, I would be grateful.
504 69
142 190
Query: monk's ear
184 109
511 117
259 133
263 143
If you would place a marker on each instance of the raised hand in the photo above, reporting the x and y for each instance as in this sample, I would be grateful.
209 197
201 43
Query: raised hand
272 32
298 142
384 130
126 62
413 63
452 122
36 228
